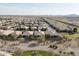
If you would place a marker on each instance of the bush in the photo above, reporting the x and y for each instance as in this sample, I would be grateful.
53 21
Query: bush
72 53
47 36
60 51
21 39
75 30
53 46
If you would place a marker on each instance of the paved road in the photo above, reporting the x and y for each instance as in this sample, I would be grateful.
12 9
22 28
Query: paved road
26 47
2 53
75 49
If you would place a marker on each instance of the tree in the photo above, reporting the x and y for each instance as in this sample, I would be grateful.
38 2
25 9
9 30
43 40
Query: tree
75 30
31 37
47 36
12 36
72 53
21 39
60 52
53 46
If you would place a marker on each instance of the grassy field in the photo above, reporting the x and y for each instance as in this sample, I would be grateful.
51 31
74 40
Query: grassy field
37 53
71 36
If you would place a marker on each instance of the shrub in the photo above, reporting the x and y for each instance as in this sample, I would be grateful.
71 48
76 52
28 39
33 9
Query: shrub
72 53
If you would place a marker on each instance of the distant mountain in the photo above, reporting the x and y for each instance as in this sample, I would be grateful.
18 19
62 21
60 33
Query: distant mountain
72 15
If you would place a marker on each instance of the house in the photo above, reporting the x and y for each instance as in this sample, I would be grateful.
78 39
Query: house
3 27
26 27
48 34
53 37
27 34
44 29
20 27
38 35
18 33
33 28
7 32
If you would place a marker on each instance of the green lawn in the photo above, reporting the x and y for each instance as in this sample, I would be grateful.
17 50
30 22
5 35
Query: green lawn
37 53
71 36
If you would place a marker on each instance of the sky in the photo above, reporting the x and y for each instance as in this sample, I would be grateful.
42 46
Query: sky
39 8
